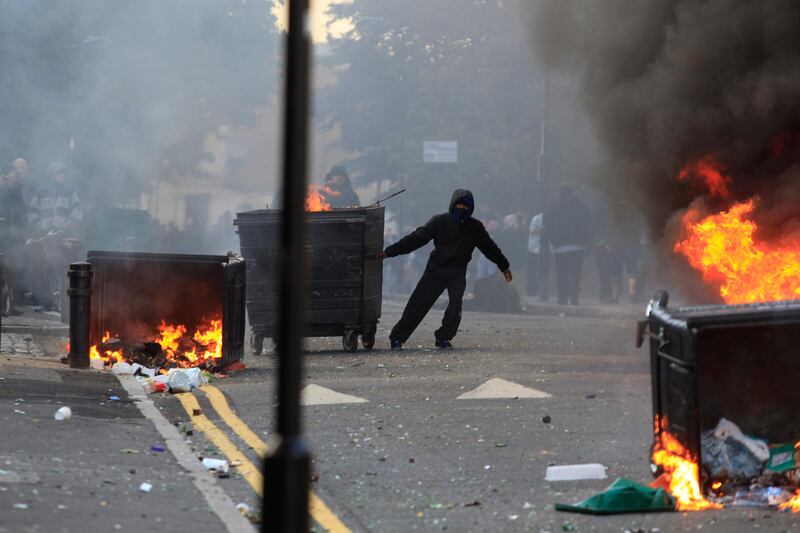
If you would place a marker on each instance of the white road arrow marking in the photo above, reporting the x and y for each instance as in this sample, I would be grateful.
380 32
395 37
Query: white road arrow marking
317 395
497 388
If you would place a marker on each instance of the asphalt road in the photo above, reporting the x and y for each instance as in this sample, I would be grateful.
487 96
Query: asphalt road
414 457
410 456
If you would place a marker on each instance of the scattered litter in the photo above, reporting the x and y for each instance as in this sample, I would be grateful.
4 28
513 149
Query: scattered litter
781 458
501 445
590 396
145 487
157 448
63 413
487 467
128 451
114 398
19 412
243 508
730 455
762 497
236 366
7 476
197 412
436 506
152 385
566 526
185 379
575 472
513 516
546 419
727 429
122 368
476 503
528 505
97 364
217 465
623 496
141 370
20 506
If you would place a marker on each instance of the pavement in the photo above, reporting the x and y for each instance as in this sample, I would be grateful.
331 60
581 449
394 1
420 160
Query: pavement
417 440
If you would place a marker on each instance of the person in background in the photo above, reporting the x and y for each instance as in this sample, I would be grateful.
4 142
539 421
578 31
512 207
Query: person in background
455 236
534 251
21 166
339 191
55 206
567 226
13 232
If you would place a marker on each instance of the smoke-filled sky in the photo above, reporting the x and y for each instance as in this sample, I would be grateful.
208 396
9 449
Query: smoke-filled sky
666 83
145 101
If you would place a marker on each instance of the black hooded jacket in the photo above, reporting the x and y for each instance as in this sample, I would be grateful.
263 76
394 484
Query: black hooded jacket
453 241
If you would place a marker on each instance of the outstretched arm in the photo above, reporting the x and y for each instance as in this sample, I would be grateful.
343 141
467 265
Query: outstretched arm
492 252
416 239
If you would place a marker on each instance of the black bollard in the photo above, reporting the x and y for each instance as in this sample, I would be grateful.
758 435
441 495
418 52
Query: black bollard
80 307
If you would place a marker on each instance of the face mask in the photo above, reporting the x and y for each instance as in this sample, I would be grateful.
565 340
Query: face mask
460 214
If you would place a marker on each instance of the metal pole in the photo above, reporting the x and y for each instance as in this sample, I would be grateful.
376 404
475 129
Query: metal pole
80 305
287 466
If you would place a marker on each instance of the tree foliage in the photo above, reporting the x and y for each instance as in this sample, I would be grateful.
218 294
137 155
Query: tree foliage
450 70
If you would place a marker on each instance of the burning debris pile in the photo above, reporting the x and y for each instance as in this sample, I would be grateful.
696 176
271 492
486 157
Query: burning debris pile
172 347
680 472
172 360
738 470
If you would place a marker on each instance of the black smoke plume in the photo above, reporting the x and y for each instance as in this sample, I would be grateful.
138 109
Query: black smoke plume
667 82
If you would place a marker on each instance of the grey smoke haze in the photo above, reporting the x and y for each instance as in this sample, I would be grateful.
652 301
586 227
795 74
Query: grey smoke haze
666 82
131 93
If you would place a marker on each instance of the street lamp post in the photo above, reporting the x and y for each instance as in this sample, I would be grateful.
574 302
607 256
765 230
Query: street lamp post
287 465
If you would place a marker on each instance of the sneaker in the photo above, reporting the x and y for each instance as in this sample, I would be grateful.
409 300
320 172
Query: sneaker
397 345
444 345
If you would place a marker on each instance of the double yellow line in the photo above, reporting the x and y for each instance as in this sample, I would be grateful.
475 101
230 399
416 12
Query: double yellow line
252 474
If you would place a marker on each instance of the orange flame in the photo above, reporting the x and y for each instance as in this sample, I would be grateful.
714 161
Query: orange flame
681 475
709 172
108 356
723 248
202 348
793 504
316 198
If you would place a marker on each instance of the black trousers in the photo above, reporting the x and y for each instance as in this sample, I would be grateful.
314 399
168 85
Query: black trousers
569 267
422 299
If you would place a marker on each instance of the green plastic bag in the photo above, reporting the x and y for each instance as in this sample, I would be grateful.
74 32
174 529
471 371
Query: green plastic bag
623 496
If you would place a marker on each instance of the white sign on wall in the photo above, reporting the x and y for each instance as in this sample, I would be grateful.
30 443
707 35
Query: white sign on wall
440 151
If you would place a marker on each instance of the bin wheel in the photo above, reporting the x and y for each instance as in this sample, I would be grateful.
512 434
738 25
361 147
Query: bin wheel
655 470
350 341
368 338
257 343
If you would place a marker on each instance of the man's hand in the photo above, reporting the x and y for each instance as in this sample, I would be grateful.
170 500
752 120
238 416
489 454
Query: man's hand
381 256
507 274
